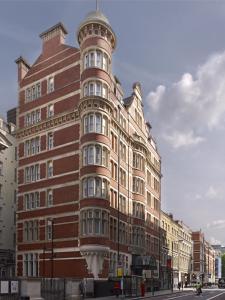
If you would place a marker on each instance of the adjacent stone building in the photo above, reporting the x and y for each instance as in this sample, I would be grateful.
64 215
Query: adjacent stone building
8 186
176 251
89 170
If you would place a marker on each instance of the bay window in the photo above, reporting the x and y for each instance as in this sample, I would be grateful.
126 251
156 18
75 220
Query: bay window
95 187
97 59
95 122
94 222
95 88
95 155
138 185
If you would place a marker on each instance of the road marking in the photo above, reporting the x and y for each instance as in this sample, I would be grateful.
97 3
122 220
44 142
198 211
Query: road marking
185 295
216 296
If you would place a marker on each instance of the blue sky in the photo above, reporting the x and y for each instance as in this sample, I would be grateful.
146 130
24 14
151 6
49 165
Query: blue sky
176 49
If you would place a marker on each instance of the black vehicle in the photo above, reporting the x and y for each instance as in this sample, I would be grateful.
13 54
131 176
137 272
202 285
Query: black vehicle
221 283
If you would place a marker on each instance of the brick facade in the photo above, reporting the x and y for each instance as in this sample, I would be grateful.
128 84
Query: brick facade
83 149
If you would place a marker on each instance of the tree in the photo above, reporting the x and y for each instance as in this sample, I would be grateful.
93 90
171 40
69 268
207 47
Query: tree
223 265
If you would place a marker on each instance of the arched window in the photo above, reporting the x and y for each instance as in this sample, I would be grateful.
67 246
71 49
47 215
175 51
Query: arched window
95 187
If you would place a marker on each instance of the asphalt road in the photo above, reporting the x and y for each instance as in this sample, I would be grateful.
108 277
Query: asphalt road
210 294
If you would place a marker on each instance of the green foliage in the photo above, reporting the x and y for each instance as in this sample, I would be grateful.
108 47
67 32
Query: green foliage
223 265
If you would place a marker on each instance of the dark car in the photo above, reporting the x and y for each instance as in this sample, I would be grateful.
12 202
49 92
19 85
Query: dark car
221 283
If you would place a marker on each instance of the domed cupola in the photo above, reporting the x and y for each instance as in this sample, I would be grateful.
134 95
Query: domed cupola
96 24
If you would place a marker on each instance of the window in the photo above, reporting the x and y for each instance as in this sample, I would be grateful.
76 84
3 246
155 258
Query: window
114 142
138 236
138 210
95 88
30 264
32 201
50 141
32 173
148 199
49 198
123 205
94 222
96 58
138 161
49 169
122 177
32 118
138 118
49 229
1 168
95 187
50 84
156 185
31 231
95 155
33 92
95 123
138 185
50 111
32 146
122 151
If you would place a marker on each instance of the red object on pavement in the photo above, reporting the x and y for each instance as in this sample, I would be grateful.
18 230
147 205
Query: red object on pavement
142 289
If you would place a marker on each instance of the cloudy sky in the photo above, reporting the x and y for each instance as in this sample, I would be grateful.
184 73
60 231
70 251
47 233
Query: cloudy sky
176 49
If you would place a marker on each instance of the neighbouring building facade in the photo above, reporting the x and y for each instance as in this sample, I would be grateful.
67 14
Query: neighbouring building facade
209 263
203 259
218 261
176 251
89 171
185 252
198 255
8 187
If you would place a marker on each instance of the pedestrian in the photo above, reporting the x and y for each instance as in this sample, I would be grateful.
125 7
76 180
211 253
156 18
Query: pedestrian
179 285
81 288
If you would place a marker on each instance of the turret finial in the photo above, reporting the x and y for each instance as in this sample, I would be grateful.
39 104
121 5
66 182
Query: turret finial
97 5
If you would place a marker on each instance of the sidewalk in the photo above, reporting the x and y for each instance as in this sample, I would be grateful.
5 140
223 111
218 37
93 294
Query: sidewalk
163 292
147 295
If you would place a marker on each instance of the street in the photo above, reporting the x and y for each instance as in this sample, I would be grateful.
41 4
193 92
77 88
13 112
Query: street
208 294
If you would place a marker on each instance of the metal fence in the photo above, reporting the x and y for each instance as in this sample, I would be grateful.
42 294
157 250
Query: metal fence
52 289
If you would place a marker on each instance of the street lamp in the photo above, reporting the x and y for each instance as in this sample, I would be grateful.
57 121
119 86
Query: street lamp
51 223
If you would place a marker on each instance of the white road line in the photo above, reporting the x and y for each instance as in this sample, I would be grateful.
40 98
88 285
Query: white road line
216 296
185 295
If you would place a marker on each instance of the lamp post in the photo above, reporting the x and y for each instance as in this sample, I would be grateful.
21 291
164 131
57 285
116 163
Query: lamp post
51 223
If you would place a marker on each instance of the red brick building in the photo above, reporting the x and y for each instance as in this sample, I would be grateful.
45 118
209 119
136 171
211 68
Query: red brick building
87 161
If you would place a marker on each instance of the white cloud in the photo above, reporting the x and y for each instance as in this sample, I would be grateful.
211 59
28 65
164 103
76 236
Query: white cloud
213 193
193 105
217 224
155 97
214 241
183 139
